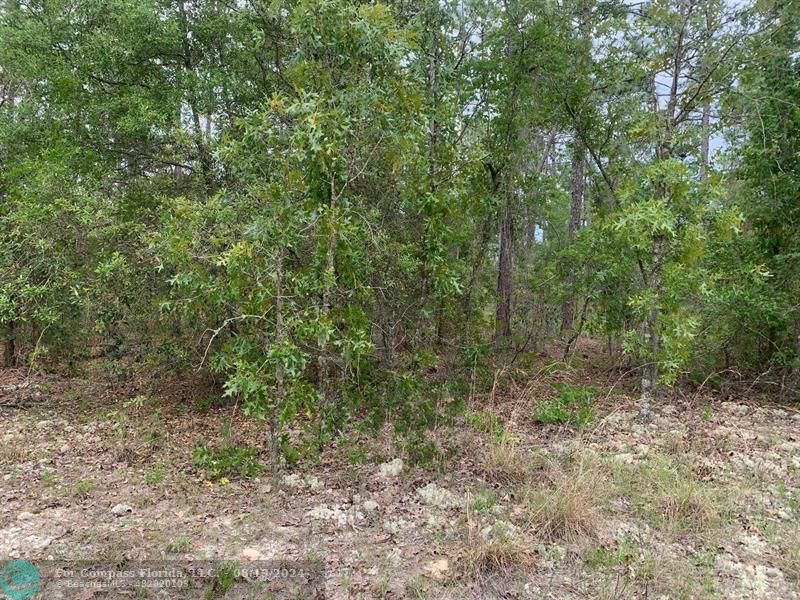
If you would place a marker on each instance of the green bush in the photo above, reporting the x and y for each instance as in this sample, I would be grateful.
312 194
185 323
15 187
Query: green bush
487 423
573 405
227 462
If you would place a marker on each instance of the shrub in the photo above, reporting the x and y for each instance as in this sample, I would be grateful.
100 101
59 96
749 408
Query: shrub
227 462
573 405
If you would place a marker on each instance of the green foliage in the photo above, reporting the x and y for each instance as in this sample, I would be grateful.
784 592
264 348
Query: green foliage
429 454
224 579
305 199
154 475
484 501
573 405
488 423
82 488
231 461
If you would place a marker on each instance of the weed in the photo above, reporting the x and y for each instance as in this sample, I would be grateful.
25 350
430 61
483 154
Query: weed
573 405
13 453
427 453
223 581
486 422
135 403
705 559
154 476
204 404
569 508
180 544
356 453
345 581
604 557
82 488
417 588
226 432
497 549
504 463
153 436
682 503
382 585
485 501
231 461
120 423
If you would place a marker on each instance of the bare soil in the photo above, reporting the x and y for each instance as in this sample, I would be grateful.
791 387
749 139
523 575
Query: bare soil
702 503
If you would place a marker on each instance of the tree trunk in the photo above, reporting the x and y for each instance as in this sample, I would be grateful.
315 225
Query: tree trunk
504 283
576 212
10 349
704 154
323 363
203 153
652 338
280 337
480 254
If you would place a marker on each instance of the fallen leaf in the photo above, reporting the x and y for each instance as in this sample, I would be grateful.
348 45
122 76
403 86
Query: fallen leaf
437 568
250 554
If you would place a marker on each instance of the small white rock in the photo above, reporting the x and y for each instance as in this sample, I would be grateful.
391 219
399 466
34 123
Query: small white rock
370 506
321 512
392 468
395 525
438 496
121 509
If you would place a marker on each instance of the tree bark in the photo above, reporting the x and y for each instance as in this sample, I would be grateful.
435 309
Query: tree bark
505 265
574 224
323 362
280 337
10 349
704 143
652 337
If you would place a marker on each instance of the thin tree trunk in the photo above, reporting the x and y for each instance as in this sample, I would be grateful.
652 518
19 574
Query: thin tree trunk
486 236
433 141
280 337
203 154
325 308
651 326
704 155
576 212
505 265
10 350
652 338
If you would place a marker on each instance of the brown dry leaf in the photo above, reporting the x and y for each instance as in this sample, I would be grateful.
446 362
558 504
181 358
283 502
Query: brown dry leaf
250 554
437 568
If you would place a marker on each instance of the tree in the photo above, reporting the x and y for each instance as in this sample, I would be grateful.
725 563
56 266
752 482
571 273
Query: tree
664 214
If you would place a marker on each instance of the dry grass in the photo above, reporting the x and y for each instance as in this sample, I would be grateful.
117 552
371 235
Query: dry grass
786 540
667 494
13 452
507 464
570 507
504 463
499 548
687 508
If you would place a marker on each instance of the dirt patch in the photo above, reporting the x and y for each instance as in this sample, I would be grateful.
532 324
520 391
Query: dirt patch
702 503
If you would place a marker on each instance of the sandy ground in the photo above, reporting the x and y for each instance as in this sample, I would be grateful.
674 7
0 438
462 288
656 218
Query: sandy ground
702 503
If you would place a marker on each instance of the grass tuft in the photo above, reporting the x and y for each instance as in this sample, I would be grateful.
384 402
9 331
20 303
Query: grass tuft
570 507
